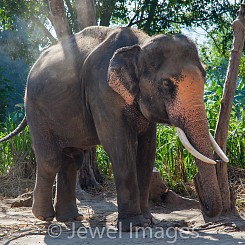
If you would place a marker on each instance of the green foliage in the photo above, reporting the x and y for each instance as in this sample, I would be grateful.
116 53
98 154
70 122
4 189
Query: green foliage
5 89
236 139
16 151
216 62
103 161
157 16
26 10
236 135
175 164
35 15
152 16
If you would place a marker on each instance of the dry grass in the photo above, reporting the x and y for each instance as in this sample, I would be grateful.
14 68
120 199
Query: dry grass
18 180
237 181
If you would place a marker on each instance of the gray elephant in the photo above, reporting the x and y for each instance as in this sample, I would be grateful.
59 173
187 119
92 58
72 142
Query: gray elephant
110 86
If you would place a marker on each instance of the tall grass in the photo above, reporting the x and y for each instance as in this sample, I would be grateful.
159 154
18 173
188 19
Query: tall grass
236 140
175 164
16 150
235 148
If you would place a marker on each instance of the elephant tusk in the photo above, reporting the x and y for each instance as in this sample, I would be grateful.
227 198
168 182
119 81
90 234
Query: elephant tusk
217 149
191 149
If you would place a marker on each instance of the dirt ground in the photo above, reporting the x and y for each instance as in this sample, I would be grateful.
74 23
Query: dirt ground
18 226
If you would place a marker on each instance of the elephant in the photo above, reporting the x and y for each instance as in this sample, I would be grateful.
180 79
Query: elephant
110 87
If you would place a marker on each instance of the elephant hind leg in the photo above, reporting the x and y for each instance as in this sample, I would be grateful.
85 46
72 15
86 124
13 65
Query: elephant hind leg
42 206
48 158
65 200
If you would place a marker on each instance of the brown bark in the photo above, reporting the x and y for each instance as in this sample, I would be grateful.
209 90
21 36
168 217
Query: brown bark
221 131
159 192
153 6
59 17
89 176
86 13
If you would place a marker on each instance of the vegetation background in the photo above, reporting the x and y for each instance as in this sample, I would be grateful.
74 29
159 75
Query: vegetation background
26 29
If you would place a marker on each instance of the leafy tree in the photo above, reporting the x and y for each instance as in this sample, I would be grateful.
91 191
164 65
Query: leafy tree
28 27
5 88
35 14
152 16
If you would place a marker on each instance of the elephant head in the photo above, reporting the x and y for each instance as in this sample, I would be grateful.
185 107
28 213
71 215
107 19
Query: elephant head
165 77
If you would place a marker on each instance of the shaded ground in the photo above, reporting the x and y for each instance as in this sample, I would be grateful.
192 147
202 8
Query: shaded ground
18 226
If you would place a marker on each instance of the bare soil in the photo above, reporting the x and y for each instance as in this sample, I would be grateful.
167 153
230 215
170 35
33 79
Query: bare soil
175 225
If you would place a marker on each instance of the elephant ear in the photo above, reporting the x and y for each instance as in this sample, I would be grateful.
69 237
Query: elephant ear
123 75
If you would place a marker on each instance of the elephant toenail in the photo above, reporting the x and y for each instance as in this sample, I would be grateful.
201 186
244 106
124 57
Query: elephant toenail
49 219
79 218
41 218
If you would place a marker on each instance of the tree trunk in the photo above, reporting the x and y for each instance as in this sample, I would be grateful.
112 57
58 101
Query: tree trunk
89 176
72 16
59 17
159 192
86 13
152 9
105 11
221 131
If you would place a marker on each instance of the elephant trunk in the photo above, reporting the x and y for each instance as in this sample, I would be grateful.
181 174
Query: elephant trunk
187 111
193 122
206 179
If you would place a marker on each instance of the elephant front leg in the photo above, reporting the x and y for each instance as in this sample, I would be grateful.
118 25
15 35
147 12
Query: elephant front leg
145 161
123 157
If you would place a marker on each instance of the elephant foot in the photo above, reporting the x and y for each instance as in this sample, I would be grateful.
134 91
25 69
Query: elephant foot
132 223
67 213
42 214
79 217
66 218
148 215
45 218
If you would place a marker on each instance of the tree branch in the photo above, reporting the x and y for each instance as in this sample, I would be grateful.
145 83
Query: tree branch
52 39
59 17
73 15
86 13
211 36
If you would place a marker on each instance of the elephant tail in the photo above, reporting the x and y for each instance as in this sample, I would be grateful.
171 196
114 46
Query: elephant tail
19 129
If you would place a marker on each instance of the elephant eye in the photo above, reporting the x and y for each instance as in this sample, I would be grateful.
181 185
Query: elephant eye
165 83
166 86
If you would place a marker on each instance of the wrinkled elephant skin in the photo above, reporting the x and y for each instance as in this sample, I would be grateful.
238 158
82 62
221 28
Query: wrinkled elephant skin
110 87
